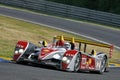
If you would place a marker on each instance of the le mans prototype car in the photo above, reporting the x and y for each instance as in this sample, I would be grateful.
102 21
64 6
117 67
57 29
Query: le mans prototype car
63 54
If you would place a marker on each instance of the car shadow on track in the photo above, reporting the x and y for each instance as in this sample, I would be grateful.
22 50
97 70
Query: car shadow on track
52 68
37 66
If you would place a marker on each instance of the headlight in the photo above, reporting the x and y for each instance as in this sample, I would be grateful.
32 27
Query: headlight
64 59
16 52
68 61
21 51
56 56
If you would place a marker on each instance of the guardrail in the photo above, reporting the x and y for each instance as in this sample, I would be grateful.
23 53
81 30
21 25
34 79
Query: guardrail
66 11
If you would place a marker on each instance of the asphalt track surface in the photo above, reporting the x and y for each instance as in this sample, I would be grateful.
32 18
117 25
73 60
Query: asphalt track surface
101 33
11 71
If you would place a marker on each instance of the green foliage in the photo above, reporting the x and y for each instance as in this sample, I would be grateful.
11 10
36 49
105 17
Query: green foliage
112 6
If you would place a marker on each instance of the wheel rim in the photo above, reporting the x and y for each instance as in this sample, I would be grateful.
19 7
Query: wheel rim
103 64
77 62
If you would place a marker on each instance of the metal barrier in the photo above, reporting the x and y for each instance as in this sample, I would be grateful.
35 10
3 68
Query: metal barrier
66 11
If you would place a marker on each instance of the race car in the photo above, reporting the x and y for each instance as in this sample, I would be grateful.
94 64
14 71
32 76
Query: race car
63 54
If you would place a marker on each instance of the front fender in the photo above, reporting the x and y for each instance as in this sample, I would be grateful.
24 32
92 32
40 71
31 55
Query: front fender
20 45
69 63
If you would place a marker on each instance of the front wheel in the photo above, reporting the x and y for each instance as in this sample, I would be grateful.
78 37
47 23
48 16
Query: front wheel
21 61
77 63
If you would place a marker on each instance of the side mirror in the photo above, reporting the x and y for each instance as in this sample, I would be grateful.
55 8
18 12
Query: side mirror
40 42
43 43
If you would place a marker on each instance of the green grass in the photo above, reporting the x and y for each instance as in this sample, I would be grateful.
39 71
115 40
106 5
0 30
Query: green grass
12 30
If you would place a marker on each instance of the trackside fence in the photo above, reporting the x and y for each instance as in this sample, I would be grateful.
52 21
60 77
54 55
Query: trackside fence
66 11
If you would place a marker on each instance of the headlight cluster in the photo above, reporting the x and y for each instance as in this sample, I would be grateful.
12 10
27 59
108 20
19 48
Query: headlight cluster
65 59
19 51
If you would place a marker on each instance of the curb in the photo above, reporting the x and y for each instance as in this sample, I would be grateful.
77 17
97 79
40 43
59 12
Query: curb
114 65
4 59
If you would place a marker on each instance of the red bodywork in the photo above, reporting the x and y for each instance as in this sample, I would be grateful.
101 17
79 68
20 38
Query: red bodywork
69 53
20 45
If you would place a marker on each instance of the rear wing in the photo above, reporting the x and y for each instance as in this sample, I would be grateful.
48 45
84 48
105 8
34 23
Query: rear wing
85 42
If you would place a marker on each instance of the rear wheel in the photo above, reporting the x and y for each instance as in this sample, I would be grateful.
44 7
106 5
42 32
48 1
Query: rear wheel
77 63
106 69
103 65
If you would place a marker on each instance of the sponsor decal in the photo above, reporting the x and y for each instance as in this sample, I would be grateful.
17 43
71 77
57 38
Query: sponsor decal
89 61
46 50
21 46
87 64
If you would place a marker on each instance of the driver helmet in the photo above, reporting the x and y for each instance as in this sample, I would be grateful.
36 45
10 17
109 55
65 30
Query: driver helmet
67 46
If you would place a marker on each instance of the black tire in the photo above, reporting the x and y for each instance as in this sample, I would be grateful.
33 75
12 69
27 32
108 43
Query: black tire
77 63
21 62
106 69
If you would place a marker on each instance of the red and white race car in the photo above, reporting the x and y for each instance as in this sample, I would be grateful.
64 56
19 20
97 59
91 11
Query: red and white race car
63 54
